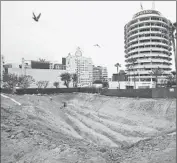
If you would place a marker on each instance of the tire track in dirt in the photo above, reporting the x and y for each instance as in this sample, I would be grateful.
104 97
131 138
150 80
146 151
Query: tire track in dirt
116 137
130 120
119 143
116 118
120 127
89 134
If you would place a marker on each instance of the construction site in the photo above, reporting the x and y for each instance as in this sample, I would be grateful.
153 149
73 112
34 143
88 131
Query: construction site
87 128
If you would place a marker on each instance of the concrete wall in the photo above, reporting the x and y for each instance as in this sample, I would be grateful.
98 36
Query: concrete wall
114 84
144 93
141 93
50 75
128 93
123 84
164 93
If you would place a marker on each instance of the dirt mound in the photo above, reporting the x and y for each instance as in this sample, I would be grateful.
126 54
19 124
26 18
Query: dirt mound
92 128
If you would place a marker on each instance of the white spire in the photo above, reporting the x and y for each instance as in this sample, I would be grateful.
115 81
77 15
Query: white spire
141 5
153 5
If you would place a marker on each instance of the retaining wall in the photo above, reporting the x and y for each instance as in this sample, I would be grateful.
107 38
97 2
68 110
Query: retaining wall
141 93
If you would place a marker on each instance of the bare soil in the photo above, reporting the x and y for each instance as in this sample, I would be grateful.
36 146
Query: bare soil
91 129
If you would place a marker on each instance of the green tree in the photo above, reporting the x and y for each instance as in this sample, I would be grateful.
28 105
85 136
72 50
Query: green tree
66 77
39 84
24 81
75 79
170 80
42 84
105 84
173 73
46 83
97 82
117 65
156 73
10 80
56 84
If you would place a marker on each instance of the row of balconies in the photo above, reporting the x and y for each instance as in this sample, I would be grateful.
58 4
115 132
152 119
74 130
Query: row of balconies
146 30
145 71
149 52
150 66
148 63
147 77
144 33
147 36
149 39
147 24
142 73
144 21
148 42
149 60
148 49
146 27
150 23
151 56
134 36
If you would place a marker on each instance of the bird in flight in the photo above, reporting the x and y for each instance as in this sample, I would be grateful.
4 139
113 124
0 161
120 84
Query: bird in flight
97 45
36 18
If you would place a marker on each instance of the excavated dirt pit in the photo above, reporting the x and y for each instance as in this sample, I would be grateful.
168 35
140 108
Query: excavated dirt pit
91 129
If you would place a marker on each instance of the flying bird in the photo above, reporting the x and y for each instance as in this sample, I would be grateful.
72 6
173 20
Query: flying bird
36 18
97 45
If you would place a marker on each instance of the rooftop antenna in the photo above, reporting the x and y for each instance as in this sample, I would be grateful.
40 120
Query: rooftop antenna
153 5
141 5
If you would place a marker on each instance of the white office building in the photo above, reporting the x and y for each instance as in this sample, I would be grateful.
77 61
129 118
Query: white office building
82 66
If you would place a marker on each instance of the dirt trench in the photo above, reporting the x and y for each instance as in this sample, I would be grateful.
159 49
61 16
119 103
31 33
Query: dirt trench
92 128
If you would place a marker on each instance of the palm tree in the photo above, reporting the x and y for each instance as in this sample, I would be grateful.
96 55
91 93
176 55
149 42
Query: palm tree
118 65
170 80
173 73
132 61
173 37
156 73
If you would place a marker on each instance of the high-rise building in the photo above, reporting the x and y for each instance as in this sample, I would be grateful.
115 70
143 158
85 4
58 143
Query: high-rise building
121 76
104 74
147 41
100 73
41 65
96 73
82 66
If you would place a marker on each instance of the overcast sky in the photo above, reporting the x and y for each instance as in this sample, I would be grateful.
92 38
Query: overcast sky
63 26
